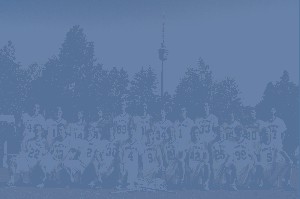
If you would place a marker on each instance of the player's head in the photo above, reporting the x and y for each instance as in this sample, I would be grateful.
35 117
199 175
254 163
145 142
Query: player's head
61 131
36 109
253 114
59 112
206 108
145 108
238 132
273 111
100 113
195 134
183 112
38 131
265 135
163 113
90 132
170 134
123 107
80 115
149 136
231 117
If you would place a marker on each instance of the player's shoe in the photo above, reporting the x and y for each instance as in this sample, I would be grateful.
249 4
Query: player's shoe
42 185
232 187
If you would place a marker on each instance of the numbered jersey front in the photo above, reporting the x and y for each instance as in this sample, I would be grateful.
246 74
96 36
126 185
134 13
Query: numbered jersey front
277 128
171 152
130 155
252 134
36 149
59 150
160 130
142 124
121 127
242 155
87 150
76 130
150 158
206 126
198 153
183 132
227 132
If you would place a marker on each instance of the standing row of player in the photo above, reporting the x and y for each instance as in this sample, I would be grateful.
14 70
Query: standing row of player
135 151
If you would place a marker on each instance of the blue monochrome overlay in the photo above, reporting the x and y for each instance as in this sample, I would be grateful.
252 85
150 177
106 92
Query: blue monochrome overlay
139 109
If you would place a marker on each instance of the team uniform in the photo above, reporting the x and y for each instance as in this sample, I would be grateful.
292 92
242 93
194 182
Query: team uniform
227 132
52 128
160 129
220 154
129 161
243 161
122 124
252 134
30 158
277 128
53 161
198 163
76 130
142 124
174 168
183 132
207 126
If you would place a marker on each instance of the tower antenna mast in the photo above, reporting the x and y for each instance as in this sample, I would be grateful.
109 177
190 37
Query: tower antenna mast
162 52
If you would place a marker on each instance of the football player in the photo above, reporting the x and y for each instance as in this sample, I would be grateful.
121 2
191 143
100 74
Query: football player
183 129
241 163
252 130
52 164
142 124
173 157
129 162
52 131
151 159
122 124
227 130
198 160
107 162
161 127
28 160
208 124
77 129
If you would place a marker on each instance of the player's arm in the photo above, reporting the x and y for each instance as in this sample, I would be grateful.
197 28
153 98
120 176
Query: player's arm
286 157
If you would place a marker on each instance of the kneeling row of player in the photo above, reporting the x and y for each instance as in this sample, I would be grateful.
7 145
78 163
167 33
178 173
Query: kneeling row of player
134 163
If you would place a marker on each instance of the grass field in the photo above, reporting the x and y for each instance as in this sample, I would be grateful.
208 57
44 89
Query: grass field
59 193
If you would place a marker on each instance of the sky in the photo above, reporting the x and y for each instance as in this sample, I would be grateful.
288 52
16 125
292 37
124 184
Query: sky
252 41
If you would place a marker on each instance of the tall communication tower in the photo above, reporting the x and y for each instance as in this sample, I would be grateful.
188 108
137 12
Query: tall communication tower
162 52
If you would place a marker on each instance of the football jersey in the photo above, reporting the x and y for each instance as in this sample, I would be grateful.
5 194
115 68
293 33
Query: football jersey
121 127
36 149
170 152
183 132
52 128
76 130
150 157
206 126
60 149
241 154
197 153
130 155
266 155
277 128
160 130
142 124
252 133
228 130
220 151
87 150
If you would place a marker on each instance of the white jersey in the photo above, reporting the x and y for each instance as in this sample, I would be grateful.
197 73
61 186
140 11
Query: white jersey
277 128
121 127
87 150
76 130
207 126
183 132
151 156
30 122
227 132
252 133
52 128
160 130
197 154
142 124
